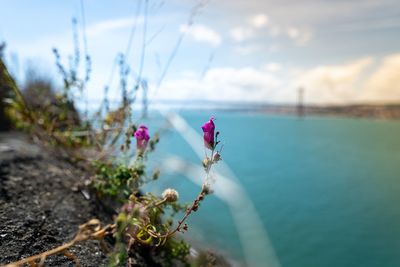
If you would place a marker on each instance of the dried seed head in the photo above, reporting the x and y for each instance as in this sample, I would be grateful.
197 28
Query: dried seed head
206 162
170 195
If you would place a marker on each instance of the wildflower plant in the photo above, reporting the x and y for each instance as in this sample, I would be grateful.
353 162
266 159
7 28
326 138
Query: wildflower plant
142 219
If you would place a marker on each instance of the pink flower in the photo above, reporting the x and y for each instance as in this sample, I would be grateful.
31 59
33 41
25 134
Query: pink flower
208 130
142 137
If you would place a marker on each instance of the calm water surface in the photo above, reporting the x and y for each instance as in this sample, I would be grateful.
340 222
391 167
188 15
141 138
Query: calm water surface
327 189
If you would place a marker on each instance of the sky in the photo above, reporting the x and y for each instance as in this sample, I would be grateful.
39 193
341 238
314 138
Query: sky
339 51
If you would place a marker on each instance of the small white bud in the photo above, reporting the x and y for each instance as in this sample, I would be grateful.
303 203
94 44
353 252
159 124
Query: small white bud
206 189
206 162
170 195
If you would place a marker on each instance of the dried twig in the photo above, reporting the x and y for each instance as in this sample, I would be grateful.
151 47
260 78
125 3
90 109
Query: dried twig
89 231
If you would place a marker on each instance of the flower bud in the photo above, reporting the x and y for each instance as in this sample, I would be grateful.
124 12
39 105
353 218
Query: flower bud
208 133
142 137
170 195
217 157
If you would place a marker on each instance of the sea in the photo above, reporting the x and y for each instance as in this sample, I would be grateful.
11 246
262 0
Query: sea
309 191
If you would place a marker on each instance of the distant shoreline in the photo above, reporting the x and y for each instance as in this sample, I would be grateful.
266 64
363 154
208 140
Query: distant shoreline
374 111
389 112
360 110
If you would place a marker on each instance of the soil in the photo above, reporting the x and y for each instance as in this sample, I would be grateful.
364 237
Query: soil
41 205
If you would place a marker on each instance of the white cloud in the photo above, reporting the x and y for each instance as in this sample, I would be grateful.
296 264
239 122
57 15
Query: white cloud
202 33
223 84
301 37
240 34
333 83
384 83
272 67
103 27
243 33
293 32
363 79
253 29
259 21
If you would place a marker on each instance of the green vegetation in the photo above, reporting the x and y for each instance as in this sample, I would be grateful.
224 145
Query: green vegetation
145 223
5 94
118 181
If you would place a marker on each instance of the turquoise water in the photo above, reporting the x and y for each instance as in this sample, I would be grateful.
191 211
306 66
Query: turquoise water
326 189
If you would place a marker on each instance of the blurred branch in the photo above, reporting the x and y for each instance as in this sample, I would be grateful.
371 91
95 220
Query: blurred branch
195 10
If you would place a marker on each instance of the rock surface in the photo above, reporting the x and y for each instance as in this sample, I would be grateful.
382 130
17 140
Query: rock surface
40 206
